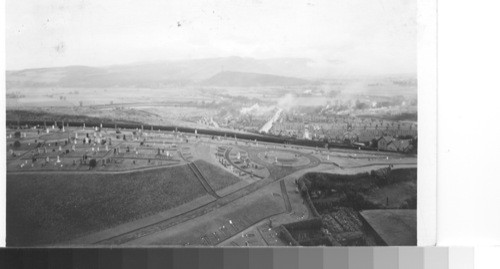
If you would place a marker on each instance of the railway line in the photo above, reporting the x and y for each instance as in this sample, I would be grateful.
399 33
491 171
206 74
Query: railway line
219 201
206 132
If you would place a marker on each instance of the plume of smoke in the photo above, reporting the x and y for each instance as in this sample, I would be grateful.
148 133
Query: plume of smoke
284 103
256 109
287 102
250 109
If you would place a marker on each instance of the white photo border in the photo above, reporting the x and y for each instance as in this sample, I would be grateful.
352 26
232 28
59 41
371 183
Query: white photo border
427 123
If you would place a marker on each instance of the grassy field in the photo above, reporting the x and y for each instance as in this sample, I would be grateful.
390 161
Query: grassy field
216 176
44 209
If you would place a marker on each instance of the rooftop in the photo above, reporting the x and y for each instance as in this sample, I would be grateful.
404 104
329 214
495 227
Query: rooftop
396 227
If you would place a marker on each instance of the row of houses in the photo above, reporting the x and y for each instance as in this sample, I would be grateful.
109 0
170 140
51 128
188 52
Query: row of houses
393 144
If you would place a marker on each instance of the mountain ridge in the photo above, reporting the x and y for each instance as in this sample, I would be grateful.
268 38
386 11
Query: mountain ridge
251 79
154 73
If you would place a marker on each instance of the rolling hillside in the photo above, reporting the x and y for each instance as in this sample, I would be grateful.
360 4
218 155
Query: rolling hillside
213 71
241 79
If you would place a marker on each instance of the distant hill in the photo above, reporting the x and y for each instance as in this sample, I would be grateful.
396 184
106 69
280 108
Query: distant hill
157 74
245 79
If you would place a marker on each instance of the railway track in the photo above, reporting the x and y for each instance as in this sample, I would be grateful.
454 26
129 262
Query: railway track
245 136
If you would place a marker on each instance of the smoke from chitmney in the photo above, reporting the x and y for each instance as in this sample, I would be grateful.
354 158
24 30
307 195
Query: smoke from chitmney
287 102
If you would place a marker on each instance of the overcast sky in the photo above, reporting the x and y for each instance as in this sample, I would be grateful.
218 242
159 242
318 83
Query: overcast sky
366 36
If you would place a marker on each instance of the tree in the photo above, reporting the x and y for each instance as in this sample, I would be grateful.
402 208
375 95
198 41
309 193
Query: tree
93 163
360 105
17 144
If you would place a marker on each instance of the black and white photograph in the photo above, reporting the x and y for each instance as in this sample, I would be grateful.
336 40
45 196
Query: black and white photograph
211 123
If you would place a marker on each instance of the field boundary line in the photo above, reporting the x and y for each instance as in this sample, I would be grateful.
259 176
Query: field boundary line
379 164
284 193
93 171
197 173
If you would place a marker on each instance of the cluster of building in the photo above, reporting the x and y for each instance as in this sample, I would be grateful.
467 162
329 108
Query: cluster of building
390 143
208 121
345 130
247 123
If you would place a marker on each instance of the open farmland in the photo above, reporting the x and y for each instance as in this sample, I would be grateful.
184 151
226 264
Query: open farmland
217 177
48 208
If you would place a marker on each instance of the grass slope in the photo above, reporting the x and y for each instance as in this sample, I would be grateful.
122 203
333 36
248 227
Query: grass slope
216 176
44 209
